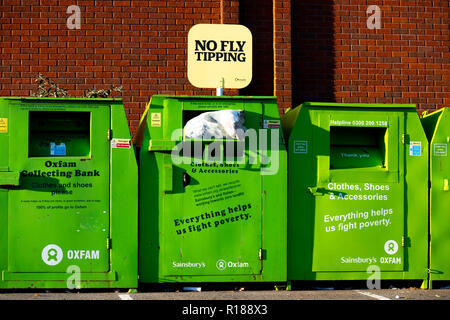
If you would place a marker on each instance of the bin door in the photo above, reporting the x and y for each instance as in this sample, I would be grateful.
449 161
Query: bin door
59 213
359 196
211 218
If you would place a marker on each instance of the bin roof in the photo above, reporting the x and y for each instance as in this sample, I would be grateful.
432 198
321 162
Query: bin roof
61 99
356 105
215 97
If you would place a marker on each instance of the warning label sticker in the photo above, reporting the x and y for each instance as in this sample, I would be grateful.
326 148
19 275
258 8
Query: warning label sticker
415 148
272 124
3 125
440 149
156 119
121 143
300 147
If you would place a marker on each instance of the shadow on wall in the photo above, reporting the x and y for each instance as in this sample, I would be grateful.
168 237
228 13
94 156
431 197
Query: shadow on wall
313 56
258 17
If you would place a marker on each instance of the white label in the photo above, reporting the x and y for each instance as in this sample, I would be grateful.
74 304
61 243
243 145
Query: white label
300 147
440 149
272 124
121 143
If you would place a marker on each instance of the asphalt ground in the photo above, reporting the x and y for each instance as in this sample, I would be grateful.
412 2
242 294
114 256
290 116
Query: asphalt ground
321 294
229 302
299 290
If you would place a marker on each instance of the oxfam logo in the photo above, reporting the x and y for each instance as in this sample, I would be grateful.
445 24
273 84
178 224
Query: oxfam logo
391 247
52 255
221 264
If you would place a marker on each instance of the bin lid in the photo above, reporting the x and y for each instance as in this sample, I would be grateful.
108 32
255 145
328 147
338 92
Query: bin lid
357 105
143 122
61 99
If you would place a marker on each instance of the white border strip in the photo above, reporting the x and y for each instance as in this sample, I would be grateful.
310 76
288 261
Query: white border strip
125 297
375 296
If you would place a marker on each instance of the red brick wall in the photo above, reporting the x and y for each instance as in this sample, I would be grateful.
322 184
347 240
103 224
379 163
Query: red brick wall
336 57
282 45
258 17
318 50
270 23
140 45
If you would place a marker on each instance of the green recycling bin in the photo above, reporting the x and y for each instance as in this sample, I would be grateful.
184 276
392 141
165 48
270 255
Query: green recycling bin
437 128
68 194
357 181
211 209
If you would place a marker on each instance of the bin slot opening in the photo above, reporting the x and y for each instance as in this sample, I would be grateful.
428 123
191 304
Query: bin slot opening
190 114
213 124
59 134
357 147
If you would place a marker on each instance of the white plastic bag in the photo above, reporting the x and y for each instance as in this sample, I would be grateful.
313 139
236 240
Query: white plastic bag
223 124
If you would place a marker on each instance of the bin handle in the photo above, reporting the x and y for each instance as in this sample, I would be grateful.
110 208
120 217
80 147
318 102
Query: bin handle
168 174
9 178
186 179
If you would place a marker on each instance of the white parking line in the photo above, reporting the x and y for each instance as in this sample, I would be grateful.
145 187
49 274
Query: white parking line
375 296
125 297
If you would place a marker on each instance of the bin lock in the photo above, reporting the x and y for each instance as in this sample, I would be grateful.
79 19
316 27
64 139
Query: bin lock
186 179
